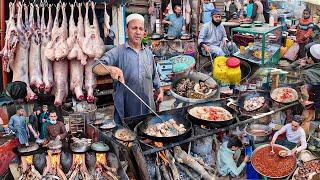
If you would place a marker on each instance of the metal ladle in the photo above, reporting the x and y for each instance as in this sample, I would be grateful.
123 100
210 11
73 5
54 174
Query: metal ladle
135 94
272 151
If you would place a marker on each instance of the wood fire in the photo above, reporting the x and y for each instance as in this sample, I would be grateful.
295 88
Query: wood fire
53 165
78 168
28 170
102 170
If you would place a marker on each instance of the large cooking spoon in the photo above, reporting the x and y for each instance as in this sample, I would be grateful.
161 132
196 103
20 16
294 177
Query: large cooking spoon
135 94
272 151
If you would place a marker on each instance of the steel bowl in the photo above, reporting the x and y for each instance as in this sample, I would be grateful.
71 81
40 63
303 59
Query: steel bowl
254 129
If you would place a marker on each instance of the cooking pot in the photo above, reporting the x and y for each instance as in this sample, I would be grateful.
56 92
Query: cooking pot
258 132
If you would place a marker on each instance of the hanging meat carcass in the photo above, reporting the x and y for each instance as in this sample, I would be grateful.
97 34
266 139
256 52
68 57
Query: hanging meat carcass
76 36
11 40
60 71
94 47
76 55
35 73
187 11
57 48
106 25
90 80
93 44
19 66
46 64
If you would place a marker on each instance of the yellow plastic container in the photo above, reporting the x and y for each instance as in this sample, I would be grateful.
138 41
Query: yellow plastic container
289 42
225 74
220 69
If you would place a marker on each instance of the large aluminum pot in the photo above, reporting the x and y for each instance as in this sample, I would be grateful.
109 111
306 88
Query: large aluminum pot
277 145
259 132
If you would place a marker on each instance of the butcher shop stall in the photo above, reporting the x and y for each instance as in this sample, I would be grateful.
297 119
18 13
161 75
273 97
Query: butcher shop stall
251 114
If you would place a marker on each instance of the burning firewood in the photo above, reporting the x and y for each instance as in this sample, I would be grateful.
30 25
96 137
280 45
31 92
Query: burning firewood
182 157
53 165
174 170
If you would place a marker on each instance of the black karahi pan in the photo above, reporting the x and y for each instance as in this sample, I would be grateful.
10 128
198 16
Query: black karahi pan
249 94
141 128
213 124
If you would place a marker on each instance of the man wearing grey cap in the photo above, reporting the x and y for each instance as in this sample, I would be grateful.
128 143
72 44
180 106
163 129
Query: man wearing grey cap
213 38
131 63
294 135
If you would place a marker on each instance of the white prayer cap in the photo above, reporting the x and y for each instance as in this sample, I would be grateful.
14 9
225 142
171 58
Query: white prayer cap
315 52
135 16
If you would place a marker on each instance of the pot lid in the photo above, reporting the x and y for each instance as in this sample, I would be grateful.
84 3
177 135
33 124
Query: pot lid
55 144
26 149
233 62
79 147
100 146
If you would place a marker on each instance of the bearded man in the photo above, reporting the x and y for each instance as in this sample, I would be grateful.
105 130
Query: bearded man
213 38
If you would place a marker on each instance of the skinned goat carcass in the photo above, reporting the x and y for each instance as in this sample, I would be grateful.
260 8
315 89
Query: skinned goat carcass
76 78
11 40
19 66
187 11
57 47
76 36
35 50
93 45
76 54
46 64
60 71
106 25
90 80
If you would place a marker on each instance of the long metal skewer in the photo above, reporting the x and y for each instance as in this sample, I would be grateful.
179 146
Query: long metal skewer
135 94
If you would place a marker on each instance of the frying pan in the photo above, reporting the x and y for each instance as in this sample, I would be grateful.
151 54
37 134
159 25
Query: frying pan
249 94
129 132
284 102
213 124
195 76
141 128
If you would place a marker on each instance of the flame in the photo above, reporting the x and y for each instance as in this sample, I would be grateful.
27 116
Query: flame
53 159
100 158
161 154
158 144
77 159
29 159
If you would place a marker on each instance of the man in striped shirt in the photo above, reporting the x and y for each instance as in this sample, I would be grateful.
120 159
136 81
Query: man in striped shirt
304 31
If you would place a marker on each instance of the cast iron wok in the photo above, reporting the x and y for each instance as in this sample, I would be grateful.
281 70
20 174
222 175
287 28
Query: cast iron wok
249 94
141 128
213 124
